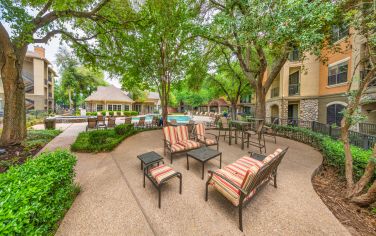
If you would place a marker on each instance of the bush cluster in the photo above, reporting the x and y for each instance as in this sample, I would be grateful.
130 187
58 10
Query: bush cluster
123 129
332 150
36 195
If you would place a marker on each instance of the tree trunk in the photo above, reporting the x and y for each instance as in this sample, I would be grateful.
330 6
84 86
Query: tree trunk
260 103
348 156
164 102
367 198
14 122
233 110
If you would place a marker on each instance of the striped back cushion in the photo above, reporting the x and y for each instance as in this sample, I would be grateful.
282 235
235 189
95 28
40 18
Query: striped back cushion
250 175
271 156
170 134
200 129
182 133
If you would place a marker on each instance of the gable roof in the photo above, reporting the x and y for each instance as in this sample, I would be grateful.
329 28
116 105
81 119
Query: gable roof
109 93
153 95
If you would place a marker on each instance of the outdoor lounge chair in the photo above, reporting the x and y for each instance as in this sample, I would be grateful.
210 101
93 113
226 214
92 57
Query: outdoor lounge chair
201 136
128 120
269 131
111 122
177 140
91 123
101 122
241 180
141 122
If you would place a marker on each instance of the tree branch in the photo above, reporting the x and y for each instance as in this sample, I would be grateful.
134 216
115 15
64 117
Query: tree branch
275 70
44 9
54 15
52 33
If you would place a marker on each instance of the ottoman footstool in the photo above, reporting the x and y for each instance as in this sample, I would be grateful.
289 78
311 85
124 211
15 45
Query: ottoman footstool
159 175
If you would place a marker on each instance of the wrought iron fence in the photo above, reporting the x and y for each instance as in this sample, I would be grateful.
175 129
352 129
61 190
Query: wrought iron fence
359 139
367 128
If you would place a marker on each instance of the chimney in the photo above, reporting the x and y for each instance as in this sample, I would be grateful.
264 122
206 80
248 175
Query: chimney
40 51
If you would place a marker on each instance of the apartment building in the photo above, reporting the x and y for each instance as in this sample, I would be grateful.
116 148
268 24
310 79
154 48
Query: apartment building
38 77
317 90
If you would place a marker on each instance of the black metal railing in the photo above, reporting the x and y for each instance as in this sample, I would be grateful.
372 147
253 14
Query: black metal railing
50 78
367 128
359 139
274 92
294 89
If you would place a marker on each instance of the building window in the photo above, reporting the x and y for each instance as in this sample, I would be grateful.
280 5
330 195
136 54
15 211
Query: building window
334 114
294 55
337 74
126 107
114 107
99 107
137 107
245 99
294 84
339 32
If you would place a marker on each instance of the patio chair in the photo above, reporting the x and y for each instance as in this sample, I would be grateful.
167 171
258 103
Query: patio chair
201 136
111 122
260 143
176 140
269 131
128 120
91 123
101 122
225 127
141 122
241 180
154 121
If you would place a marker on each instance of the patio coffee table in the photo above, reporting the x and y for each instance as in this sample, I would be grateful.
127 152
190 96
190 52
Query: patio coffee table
203 155
149 157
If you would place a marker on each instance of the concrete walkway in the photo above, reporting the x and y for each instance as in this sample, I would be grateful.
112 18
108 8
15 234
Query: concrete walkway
113 201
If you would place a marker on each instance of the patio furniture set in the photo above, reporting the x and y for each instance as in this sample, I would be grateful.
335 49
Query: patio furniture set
237 182
99 122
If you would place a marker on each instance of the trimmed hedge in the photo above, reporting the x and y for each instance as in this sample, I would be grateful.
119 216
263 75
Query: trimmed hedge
36 195
331 149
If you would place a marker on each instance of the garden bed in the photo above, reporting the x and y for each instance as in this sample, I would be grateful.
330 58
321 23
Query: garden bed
18 154
104 140
331 187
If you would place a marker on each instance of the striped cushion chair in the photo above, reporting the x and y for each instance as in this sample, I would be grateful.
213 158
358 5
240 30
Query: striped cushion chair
159 175
240 181
201 136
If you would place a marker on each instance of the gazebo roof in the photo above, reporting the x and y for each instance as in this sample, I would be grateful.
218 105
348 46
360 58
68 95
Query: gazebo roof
220 102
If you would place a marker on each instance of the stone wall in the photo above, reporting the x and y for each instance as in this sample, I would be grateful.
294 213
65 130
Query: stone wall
309 109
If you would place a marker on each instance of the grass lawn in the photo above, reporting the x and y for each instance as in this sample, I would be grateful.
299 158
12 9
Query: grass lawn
103 140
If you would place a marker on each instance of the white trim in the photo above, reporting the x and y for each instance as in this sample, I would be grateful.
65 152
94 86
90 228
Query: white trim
339 62
337 102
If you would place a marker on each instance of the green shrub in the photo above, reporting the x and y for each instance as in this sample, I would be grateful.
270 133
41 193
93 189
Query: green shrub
332 150
111 113
39 138
123 128
127 113
118 113
134 113
77 113
103 113
36 195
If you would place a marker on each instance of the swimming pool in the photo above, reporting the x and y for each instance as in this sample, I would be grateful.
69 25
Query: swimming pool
178 118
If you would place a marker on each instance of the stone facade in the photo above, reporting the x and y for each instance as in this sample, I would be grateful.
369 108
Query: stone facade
309 109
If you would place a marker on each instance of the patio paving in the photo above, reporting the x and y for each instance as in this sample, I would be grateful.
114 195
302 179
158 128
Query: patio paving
113 201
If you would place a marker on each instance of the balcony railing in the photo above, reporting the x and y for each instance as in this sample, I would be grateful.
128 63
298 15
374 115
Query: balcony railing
50 95
294 89
274 92
50 78
45 82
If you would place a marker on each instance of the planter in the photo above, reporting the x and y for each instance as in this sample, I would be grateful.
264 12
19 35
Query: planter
50 123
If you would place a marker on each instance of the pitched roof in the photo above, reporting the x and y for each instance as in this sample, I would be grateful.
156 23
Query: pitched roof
109 93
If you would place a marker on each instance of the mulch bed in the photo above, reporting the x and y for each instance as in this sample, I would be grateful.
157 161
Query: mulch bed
331 188
15 155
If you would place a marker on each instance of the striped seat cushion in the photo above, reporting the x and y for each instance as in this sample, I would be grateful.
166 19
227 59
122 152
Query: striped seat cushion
170 134
224 187
200 129
189 144
161 172
271 156
177 147
182 133
241 166
207 141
